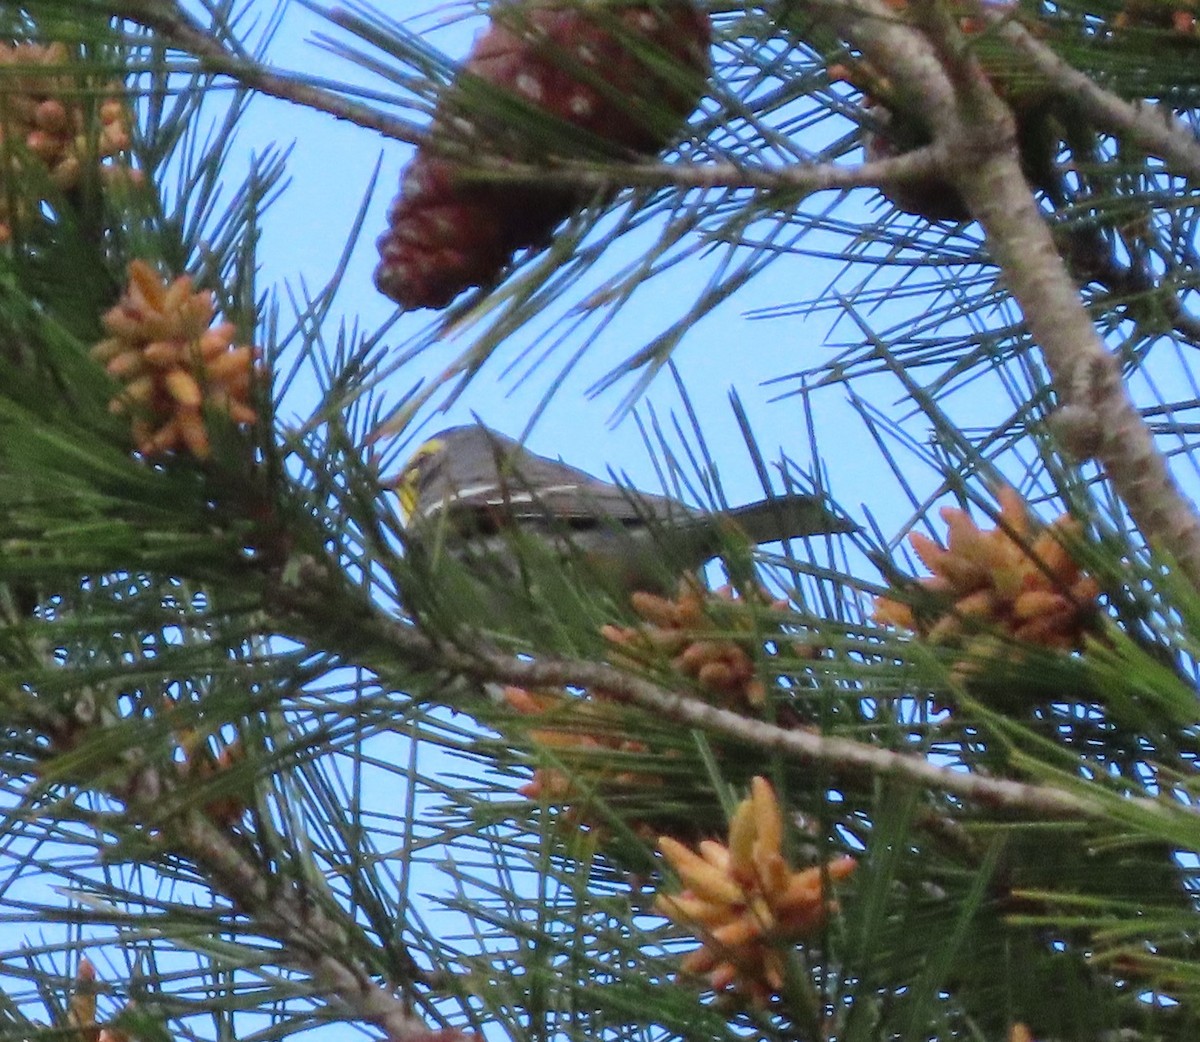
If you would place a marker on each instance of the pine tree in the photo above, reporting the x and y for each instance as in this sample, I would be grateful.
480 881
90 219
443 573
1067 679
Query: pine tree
275 761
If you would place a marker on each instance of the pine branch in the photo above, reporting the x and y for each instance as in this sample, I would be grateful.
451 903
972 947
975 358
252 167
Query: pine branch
180 30
313 870
1151 127
978 128
311 940
306 607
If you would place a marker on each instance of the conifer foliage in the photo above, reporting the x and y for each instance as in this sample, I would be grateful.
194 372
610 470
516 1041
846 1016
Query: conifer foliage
275 764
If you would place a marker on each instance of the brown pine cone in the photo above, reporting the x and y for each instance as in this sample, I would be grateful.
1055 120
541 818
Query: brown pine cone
626 75
933 198
898 130
936 198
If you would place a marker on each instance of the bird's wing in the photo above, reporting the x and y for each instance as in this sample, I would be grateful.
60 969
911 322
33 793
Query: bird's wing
524 485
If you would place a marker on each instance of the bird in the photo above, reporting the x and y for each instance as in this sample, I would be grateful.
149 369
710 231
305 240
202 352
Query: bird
483 498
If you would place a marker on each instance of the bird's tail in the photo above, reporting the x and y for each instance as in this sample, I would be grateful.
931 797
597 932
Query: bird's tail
787 517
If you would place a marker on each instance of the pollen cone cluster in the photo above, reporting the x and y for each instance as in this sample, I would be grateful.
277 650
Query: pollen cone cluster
697 633
578 728
81 1010
626 75
712 639
46 117
706 636
744 902
1011 581
175 364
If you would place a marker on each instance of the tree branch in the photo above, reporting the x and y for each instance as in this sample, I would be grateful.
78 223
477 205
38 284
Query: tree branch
979 129
178 29
311 940
1151 127
307 611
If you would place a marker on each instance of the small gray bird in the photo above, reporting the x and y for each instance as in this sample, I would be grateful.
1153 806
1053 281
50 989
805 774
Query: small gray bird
480 495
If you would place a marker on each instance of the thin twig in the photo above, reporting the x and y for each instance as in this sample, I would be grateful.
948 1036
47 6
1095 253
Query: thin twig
1151 127
908 167
178 29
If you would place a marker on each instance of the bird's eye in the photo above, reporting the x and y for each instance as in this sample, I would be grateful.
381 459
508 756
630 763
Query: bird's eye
428 469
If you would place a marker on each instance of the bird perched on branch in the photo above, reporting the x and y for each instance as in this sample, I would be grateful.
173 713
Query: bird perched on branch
485 500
